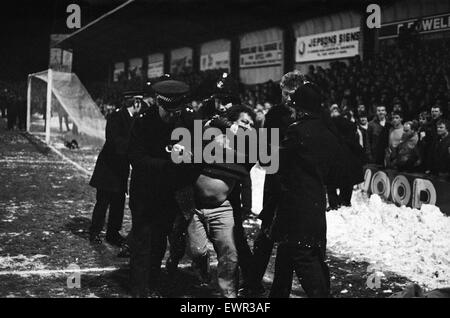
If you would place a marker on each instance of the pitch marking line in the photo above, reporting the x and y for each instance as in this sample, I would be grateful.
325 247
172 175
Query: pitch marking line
45 272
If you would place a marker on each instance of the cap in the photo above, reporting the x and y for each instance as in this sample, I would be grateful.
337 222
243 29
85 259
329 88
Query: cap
170 94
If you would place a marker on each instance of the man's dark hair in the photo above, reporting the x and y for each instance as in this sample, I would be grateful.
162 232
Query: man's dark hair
394 113
425 115
362 114
235 111
444 122
437 106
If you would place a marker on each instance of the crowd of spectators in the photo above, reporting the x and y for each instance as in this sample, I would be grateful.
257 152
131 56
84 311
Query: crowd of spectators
398 98
419 145
410 79
400 101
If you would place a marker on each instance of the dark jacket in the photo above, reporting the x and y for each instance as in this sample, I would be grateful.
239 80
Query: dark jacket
280 117
352 154
112 167
154 176
439 156
405 157
424 144
432 129
307 156
377 141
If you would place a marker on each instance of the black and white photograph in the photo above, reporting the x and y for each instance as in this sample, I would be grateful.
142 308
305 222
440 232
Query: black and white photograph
225 153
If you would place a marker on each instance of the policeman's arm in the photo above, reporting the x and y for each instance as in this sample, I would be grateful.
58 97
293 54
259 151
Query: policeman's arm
116 134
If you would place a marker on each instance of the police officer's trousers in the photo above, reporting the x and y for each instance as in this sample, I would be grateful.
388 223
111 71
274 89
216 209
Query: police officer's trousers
308 263
148 242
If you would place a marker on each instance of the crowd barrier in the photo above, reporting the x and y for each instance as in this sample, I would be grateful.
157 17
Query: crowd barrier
409 189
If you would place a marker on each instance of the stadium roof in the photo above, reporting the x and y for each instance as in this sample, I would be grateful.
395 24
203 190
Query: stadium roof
140 27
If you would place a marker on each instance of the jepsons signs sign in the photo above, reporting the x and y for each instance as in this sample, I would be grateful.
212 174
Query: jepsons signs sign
327 46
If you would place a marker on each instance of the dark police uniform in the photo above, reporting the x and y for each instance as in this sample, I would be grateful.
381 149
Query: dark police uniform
279 117
308 158
154 179
110 176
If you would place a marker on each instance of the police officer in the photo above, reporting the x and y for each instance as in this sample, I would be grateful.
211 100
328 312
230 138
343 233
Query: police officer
154 180
111 172
308 156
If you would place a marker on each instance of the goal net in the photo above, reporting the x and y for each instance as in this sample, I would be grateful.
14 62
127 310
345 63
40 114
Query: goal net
60 110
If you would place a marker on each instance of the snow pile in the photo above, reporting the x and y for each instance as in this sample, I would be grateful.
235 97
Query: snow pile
410 242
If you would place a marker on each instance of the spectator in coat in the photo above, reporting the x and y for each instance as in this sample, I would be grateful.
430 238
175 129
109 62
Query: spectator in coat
439 161
110 176
424 134
406 156
352 163
436 115
395 134
378 136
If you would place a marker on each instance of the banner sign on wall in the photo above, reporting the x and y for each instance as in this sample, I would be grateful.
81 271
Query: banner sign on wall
155 69
119 68
58 60
181 60
135 67
261 55
327 46
155 66
215 61
436 23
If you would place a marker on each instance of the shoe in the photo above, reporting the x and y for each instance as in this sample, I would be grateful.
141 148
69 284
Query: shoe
116 239
171 266
95 239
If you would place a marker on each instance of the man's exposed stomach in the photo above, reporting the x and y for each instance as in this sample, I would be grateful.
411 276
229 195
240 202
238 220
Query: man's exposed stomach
211 192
